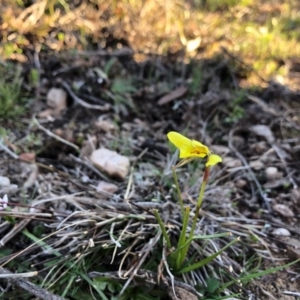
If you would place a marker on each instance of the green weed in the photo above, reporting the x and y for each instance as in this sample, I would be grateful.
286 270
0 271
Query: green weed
12 102
236 111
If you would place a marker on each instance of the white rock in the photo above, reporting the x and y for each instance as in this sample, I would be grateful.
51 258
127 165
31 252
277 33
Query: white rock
4 181
272 173
281 232
111 162
85 179
57 101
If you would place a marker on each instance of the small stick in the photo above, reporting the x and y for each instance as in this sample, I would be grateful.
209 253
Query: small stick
28 286
18 275
7 150
81 102
295 294
49 133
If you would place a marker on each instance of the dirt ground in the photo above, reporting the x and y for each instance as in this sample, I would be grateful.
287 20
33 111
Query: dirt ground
62 208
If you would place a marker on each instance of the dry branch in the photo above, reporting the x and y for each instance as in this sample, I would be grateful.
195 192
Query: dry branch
29 286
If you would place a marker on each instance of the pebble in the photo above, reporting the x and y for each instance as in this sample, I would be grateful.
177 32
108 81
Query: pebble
281 232
111 162
4 181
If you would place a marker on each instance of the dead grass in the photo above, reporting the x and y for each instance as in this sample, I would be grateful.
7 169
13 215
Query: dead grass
258 32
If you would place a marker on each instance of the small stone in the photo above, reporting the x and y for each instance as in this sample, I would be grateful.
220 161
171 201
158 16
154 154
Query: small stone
85 179
241 183
13 188
281 232
4 181
283 210
272 173
256 165
231 162
111 162
57 101
105 126
106 187
296 194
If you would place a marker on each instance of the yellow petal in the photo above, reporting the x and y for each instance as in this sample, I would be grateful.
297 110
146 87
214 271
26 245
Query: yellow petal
213 159
187 147
200 149
179 140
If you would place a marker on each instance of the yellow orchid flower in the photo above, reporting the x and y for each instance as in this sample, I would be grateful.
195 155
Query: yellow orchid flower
189 149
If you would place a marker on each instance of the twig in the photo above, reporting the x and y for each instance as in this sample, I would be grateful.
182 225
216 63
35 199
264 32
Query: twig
295 294
281 156
25 214
86 162
18 275
40 240
164 258
49 133
149 277
28 286
81 102
130 187
7 150
148 247
15 230
264 106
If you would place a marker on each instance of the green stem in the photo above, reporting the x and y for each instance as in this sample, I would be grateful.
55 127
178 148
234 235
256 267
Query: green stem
180 255
162 227
200 200
178 190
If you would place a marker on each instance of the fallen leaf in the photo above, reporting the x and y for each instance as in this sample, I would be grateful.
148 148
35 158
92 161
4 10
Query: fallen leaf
27 157
177 93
